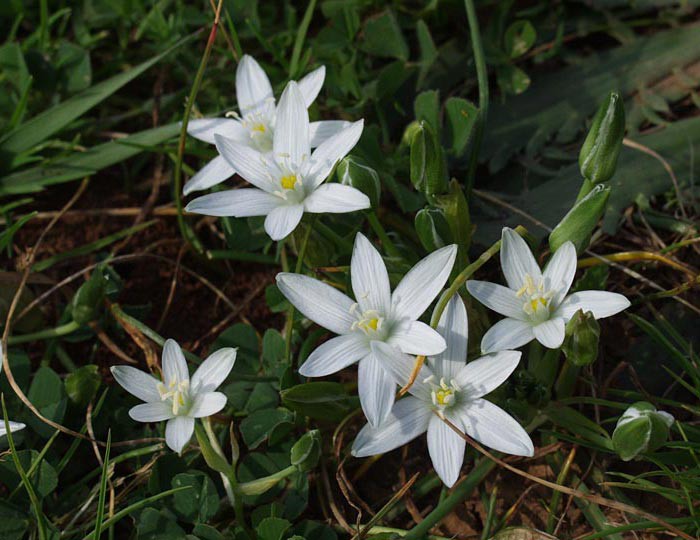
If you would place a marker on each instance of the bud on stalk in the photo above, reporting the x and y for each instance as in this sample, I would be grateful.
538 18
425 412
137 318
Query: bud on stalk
641 429
353 172
578 224
427 161
432 228
581 342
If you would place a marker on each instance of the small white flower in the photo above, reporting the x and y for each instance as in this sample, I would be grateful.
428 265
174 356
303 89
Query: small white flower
535 302
287 181
377 316
256 124
447 388
178 399
14 426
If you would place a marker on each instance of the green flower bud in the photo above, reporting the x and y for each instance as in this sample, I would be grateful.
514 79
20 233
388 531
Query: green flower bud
598 157
581 342
456 210
641 429
306 451
353 172
578 224
410 132
432 228
427 161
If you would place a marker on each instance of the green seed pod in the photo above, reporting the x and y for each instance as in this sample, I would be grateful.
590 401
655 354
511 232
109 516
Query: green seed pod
578 224
427 161
306 451
355 173
432 228
581 342
641 429
598 157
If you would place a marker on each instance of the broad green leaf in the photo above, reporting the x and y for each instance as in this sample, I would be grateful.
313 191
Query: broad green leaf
383 37
199 503
13 522
51 121
272 528
258 426
153 524
44 479
47 394
320 400
82 384
460 117
519 37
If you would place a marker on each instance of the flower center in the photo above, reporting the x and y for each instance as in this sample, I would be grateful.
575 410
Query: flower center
259 127
369 322
536 299
178 393
288 181
443 394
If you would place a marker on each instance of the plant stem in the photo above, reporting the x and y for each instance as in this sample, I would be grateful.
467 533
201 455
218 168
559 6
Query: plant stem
299 41
297 270
49 333
244 256
483 82
186 232
465 274
381 233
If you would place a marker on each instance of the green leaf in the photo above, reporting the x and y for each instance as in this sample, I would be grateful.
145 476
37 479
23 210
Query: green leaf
45 124
47 394
82 384
320 400
383 37
258 426
519 37
7 235
199 503
243 337
306 451
426 107
13 522
87 302
272 528
44 479
460 117
153 524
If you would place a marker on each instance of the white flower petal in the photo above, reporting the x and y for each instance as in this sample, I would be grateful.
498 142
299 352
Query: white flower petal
336 199
311 85
213 371
494 427
335 354
517 260
178 432
506 334
560 271
601 303
415 337
550 333
370 280
332 150
423 282
454 327
323 304
325 129
446 450
497 297
243 202
400 366
484 375
207 404
14 426
212 174
152 412
252 85
281 221
174 363
376 389
254 167
204 129
291 139
408 419
136 382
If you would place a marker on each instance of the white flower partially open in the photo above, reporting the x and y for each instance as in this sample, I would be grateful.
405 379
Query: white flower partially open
177 398
256 124
447 388
378 315
14 426
535 302
288 181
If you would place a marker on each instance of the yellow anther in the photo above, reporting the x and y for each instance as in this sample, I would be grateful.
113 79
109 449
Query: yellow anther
288 181
259 127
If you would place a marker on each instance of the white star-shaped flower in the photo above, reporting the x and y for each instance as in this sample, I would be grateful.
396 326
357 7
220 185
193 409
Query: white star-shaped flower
288 181
177 398
377 315
535 302
447 388
256 124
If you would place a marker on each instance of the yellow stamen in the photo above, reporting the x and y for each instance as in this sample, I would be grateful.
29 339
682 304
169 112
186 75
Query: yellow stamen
260 128
288 181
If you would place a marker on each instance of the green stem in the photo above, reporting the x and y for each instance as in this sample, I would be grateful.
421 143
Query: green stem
483 82
297 270
566 382
244 256
331 235
586 188
464 275
186 232
299 41
62 330
381 233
